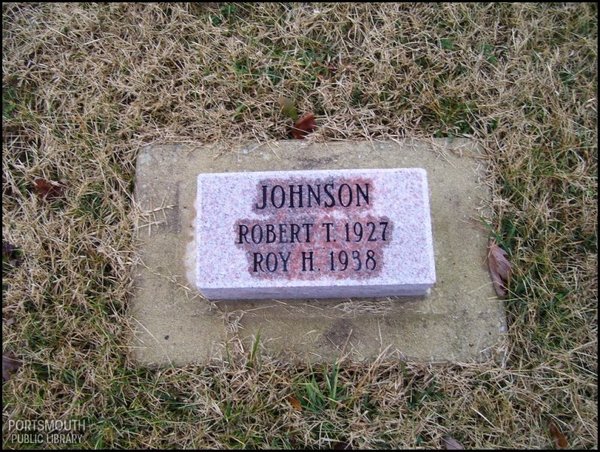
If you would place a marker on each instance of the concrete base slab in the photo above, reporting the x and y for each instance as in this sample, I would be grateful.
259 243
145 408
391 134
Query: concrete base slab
460 320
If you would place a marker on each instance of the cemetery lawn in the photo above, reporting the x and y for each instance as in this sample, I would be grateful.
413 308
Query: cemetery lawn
84 86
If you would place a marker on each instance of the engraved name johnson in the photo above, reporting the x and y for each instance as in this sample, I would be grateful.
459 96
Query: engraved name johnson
308 228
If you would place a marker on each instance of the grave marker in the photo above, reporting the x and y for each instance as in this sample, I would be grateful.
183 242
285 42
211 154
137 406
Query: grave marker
314 234
461 319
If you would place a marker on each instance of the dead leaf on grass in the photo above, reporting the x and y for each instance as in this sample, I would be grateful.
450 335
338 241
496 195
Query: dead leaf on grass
8 250
500 268
10 365
295 403
11 254
560 440
305 125
46 189
451 444
329 67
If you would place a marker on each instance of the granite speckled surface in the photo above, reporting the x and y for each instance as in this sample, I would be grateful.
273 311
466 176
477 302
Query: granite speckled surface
314 234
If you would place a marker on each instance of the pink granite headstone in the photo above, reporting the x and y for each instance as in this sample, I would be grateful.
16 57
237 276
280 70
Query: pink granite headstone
314 234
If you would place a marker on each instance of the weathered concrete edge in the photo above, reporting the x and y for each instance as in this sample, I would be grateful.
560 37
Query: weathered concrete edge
448 146
304 292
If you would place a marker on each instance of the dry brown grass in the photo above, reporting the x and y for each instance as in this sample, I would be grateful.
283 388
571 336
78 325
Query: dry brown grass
85 85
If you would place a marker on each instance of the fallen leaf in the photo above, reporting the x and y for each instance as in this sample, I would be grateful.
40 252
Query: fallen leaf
288 107
499 268
341 446
47 189
7 250
329 67
304 126
560 440
11 254
9 366
295 403
451 444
